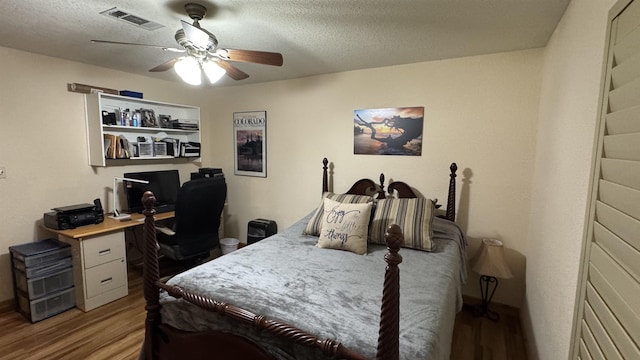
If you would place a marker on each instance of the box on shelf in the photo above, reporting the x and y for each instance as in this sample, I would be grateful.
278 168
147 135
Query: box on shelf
190 149
159 148
145 149
53 304
130 93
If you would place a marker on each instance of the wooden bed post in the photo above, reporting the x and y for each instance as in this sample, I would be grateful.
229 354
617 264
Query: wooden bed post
325 176
451 199
151 275
389 334
381 194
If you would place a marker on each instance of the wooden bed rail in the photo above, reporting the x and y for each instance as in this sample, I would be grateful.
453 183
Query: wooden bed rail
157 337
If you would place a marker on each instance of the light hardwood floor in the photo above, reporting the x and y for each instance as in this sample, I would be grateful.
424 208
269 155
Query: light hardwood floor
115 331
478 338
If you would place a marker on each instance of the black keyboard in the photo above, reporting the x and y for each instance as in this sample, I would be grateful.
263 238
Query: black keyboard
165 208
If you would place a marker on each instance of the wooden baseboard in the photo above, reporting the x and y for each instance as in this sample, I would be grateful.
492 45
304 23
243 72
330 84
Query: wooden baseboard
470 300
6 306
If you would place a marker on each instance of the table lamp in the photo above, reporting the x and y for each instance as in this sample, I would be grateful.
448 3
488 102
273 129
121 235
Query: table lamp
491 265
116 214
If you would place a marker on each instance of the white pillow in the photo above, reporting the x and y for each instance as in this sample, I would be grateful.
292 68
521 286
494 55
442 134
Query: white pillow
313 226
344 226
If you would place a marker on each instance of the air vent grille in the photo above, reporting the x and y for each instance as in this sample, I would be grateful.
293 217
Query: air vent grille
127 17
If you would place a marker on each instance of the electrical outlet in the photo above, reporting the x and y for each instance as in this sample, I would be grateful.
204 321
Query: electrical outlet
3 172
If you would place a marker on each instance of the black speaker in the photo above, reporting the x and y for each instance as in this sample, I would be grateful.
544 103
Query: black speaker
208 173
259 229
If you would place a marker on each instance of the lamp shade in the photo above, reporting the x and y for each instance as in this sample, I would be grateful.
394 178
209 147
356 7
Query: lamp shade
213 71
491 261
189 70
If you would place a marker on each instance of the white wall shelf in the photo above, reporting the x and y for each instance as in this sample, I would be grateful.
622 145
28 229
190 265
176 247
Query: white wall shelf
98 103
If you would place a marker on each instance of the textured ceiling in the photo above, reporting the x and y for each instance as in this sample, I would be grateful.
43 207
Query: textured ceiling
314 36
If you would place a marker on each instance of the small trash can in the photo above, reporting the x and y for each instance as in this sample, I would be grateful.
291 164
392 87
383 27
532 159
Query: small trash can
228 245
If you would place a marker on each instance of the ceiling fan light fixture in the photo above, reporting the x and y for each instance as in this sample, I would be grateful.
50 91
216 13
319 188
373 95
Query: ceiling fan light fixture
188 69
213 71
200 49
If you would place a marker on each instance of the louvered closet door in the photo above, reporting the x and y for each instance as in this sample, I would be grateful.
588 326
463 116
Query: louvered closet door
608 322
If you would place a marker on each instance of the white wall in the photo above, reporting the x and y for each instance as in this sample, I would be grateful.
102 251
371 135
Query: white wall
571 75
480 112
43 142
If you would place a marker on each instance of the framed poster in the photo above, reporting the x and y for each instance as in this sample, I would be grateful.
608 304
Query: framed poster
389 131
250 139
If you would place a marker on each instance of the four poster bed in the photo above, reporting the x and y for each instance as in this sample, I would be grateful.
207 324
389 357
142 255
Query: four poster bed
303 294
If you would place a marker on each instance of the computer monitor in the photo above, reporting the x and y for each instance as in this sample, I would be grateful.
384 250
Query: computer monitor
164 184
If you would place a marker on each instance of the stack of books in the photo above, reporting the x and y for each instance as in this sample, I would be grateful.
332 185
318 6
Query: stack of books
184 125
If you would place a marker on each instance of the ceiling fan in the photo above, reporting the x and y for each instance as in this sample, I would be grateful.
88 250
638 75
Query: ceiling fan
202 53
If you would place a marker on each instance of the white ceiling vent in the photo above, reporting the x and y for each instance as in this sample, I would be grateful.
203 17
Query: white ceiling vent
131 19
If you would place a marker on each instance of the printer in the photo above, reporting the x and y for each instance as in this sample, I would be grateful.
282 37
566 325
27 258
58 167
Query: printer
70 217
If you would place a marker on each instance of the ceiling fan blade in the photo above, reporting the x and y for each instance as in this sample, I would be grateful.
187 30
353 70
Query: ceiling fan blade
136 44
165 66
197 36
252 56
232 71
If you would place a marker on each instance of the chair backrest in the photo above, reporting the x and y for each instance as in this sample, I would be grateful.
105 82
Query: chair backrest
198 210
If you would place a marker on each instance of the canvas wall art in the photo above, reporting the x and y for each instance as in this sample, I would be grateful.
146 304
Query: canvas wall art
388 131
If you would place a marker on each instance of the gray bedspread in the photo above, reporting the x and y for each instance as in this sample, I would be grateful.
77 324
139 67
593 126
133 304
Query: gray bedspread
330 293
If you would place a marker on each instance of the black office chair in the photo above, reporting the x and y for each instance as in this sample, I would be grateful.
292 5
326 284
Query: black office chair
195 233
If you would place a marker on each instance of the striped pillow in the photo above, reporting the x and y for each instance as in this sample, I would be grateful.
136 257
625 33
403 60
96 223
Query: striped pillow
414 216
314 224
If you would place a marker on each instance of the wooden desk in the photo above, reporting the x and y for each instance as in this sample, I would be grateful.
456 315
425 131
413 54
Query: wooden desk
108 225
99 259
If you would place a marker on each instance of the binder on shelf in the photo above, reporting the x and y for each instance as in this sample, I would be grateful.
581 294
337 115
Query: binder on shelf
173 146
122 149
190 149
110 145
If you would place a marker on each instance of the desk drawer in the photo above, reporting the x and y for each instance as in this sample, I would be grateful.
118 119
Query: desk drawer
103 249
106 277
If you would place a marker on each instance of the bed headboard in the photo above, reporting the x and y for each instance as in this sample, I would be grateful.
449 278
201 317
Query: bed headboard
369 187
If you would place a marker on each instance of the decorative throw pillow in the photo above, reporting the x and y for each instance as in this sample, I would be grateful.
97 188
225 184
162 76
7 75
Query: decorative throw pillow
344 226
414 216
313 226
